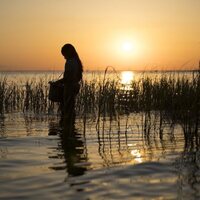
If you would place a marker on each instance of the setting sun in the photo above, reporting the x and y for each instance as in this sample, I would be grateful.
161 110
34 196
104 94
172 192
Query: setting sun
127 46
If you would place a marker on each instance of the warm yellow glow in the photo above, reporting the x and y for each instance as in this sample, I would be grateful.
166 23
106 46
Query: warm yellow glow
127 77
136 35
137 155
127 50
127 46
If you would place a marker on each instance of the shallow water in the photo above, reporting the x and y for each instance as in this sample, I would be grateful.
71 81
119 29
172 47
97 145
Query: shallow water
114 160
37 163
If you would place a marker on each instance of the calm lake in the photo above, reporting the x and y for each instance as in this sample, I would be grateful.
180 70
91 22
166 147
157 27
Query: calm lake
113 161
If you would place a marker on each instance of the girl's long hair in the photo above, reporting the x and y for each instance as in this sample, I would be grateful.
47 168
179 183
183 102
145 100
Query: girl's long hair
70 52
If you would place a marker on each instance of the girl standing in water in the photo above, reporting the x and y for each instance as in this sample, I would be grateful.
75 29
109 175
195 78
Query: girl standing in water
72 77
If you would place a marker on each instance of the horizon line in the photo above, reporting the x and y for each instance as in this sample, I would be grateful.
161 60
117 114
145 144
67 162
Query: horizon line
102 70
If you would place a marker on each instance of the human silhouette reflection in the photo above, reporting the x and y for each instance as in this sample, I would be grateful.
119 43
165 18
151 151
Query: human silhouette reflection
72 146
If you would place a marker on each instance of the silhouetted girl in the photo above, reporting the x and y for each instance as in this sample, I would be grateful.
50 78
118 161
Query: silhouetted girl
72 77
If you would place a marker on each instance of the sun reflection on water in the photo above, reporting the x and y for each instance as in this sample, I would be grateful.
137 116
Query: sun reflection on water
137 155
126 77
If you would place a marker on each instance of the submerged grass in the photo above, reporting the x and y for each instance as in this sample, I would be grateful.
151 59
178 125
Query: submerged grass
167 98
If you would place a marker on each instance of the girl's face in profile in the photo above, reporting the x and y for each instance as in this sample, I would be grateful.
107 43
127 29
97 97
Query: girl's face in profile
64 55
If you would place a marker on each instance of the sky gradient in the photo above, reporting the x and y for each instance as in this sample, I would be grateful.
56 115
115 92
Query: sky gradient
128 34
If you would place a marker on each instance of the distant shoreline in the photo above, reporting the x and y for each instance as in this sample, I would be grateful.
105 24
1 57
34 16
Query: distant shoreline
97 71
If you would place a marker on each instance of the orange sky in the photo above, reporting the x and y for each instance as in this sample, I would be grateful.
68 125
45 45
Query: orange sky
160 34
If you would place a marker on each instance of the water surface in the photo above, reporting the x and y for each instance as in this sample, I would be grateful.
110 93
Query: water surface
115 161
37 163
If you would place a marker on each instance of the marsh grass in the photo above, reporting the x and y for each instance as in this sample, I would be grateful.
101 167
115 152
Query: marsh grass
30 96
167 99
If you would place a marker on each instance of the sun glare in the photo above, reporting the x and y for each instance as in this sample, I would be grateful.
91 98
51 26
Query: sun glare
126 51
137 156
127 46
